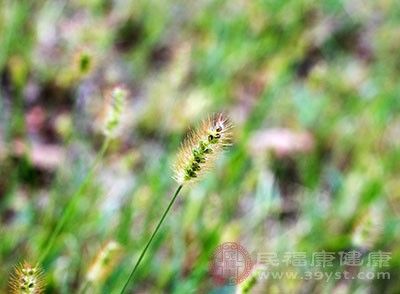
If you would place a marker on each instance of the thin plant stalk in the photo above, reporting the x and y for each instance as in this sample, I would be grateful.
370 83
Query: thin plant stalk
73 200
196 155
85 286
151 238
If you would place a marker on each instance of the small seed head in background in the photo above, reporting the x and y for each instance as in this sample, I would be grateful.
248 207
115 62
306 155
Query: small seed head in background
27 279
104 262
114 110
201 147
368 229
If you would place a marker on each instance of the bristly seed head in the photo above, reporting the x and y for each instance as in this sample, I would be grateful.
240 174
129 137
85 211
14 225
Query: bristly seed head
201 147
115 107
104 262
27 279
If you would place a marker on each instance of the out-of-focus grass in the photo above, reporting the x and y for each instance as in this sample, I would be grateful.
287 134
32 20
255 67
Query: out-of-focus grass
328 71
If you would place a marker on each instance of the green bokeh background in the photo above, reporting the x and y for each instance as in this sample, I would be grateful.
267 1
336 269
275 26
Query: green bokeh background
312 88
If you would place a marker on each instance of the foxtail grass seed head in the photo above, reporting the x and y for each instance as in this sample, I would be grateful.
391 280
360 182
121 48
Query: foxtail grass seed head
201 148
27 279
104 262
84 62
115 106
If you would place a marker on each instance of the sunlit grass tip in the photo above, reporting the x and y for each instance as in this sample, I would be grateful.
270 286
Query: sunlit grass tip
27 279
104 262
196 155
199 150
116 101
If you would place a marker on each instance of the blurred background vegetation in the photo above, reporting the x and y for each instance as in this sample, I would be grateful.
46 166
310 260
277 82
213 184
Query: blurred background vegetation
311 86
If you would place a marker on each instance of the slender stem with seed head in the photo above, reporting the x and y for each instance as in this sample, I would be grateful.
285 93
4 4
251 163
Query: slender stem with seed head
72 202
151 238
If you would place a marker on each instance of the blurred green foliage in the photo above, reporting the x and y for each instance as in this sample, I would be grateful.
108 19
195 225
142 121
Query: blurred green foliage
312 88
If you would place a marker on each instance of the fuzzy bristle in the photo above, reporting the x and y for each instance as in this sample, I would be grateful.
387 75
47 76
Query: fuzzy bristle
115 107
27 279
201 147
104 262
